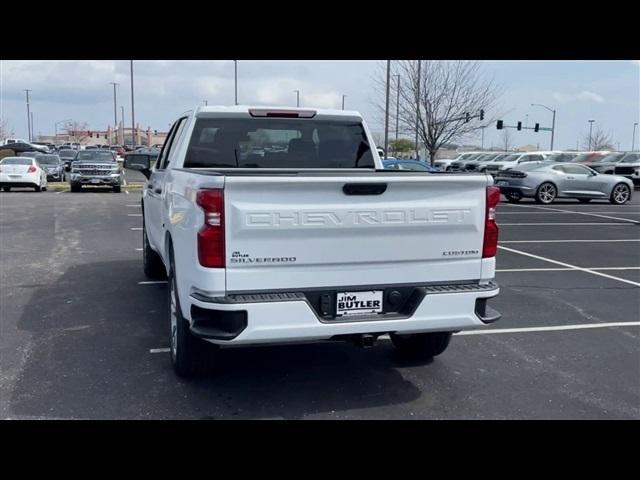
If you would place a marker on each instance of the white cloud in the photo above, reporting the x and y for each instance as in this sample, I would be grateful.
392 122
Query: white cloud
583 96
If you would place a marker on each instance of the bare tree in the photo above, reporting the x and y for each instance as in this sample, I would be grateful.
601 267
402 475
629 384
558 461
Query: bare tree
600 140
507 141
5 130
448 90
77 131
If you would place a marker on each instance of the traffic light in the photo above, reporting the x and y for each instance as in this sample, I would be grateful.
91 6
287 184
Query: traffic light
537 127
155 132
499 125
467 117
481 114
519 126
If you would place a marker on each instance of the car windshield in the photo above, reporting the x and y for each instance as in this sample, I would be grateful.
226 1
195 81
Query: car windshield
67 153
500 157
529 166
407 166
307 143
511 158
611 158
631 158
48 159
94 156
15 161
561 157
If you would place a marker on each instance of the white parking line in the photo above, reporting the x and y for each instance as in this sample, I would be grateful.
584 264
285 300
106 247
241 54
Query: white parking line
587 270
138 249
136 228
152 282
136 205
632 222
134 214
550 328
561 269
580 213
127 192
159 350
571 241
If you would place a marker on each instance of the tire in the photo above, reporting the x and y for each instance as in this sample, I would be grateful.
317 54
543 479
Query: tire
117 189
513 197
37 188
151 261
6 189
421 345
620 194
546 193
188 353
584 200
76 187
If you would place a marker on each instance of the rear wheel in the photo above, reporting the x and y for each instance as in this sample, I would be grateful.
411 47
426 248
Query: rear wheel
620 194
189 354
117 189
37 188
546 193
421 345
75 187
6 189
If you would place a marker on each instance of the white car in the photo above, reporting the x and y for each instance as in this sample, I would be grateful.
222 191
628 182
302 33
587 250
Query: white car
515 159
444 164
23 172
314 243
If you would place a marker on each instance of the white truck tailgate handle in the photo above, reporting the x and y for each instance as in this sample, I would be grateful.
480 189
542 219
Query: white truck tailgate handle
364 188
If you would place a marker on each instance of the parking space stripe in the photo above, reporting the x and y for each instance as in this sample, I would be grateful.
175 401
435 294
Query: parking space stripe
152 282
587 270
136 205
580 213
629 222
159 350
550 328
572 240
136 228
134 214
561 269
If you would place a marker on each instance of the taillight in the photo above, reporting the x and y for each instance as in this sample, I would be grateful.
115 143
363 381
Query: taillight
31 169
490 243
211 235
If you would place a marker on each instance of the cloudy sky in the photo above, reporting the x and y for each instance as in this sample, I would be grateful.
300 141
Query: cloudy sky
607 91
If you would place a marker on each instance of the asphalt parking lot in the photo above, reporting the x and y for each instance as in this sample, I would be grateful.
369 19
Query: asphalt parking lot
84 334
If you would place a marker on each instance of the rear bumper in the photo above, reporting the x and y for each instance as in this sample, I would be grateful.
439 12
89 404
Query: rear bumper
281 318
521 189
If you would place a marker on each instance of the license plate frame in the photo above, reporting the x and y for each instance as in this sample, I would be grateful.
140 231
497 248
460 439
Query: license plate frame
359 303
95 180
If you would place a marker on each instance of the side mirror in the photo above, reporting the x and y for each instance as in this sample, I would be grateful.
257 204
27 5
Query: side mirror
140 162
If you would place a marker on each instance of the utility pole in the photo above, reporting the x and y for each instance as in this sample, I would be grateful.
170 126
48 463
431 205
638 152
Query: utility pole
386 113
553 122
590 128
235 65
418 111
297 97
633 138
122 124
115 111
397 110
32 135
133 118
343 101
482 142
28 116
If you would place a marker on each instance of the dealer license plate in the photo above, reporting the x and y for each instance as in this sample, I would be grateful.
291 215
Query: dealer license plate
95 180
358 303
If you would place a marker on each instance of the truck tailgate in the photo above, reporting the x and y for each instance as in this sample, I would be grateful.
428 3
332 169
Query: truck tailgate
305 231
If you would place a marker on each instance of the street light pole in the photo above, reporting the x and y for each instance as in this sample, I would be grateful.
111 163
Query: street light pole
343 101
28 116
553 122
133 117
397 110
235 67
590 128
297 97
418 111
386 113
482 142
633 138
33 135
115 111
122 125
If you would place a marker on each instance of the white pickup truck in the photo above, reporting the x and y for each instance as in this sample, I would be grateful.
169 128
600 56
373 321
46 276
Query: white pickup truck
280 225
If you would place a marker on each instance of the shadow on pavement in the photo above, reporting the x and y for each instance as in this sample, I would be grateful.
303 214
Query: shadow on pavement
89 358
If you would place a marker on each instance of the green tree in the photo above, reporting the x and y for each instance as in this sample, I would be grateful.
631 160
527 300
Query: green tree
403 145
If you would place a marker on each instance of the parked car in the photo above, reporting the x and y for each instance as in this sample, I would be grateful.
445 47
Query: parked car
515 159
97 168
9 141
562 157
589 157
16 172
629 166
550 180
607 164
67 157
53 166
310 252
480 163
444 164
415 165
25 147
119 149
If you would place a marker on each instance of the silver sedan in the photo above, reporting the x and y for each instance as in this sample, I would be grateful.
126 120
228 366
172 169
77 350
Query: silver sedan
546 181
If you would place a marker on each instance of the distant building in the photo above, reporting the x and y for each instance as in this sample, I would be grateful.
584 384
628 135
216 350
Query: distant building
528 148
110 136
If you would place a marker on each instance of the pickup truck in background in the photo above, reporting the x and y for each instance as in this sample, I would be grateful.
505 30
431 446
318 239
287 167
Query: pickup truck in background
314 243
